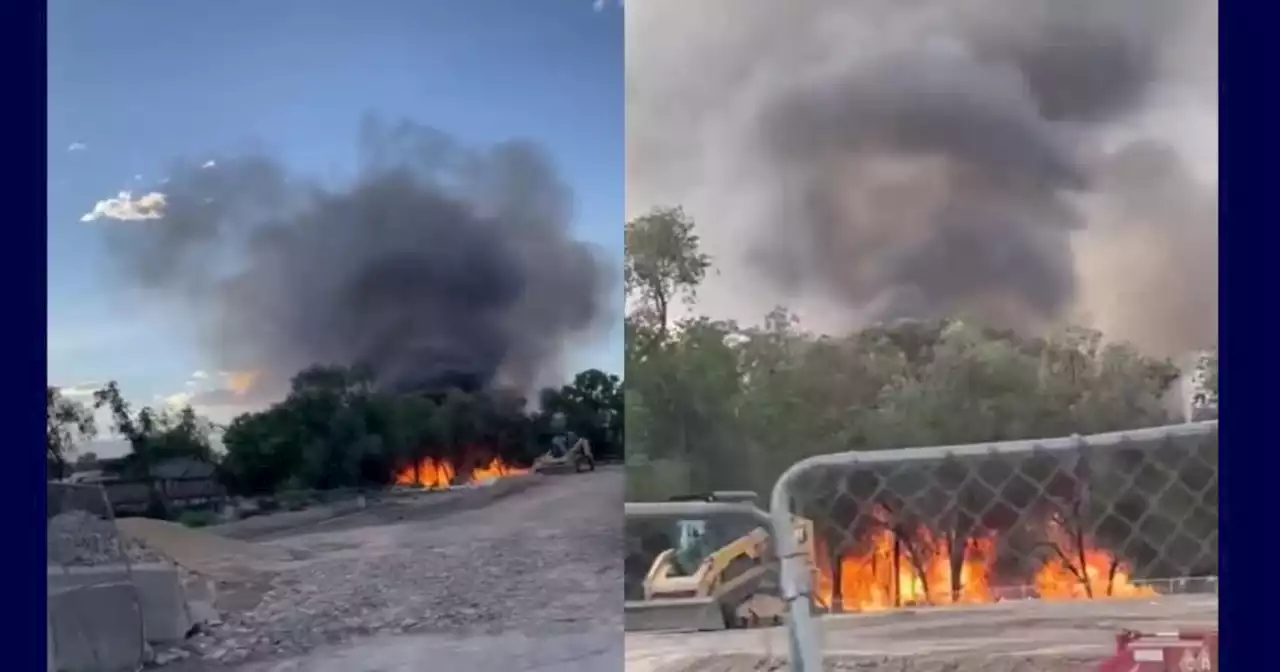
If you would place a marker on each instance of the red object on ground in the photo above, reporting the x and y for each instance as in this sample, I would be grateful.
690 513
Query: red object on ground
1182 651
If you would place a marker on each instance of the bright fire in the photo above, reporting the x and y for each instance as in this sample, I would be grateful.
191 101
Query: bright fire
893 573
440 473
917 569
1103 575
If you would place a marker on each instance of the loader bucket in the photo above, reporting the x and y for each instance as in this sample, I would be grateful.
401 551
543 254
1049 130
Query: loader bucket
682 614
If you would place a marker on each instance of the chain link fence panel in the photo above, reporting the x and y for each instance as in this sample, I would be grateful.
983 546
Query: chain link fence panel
94 608
1121 514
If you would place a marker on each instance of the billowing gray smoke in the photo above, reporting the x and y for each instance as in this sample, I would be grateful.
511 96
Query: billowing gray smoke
1018 161
438 266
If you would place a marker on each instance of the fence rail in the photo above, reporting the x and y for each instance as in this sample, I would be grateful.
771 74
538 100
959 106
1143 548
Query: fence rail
1067 518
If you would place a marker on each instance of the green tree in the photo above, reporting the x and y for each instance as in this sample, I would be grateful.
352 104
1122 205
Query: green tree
719 405
335 429
666 408
154 436
137 430
264 451
591 405
67 424
413 435
662 264
332 430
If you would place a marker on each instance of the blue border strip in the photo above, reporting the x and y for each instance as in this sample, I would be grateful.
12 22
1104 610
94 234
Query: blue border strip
1249 374
22 498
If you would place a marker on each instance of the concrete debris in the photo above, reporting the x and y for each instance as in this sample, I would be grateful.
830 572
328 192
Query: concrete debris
80 538
169 655
96 628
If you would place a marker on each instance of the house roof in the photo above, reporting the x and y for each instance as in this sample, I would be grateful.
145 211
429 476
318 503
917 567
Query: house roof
182 467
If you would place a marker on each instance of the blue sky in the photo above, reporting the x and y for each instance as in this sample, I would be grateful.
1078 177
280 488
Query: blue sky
134 85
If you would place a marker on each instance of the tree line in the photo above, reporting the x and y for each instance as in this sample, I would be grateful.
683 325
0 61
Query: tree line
335 428
712 404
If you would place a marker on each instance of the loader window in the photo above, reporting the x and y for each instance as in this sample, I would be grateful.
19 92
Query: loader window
697 540
692 546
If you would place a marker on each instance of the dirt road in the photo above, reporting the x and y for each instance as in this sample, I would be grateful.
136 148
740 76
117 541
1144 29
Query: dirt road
530 582
1026 636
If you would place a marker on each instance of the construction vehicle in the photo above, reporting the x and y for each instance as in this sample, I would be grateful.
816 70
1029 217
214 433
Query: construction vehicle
721 574
577 458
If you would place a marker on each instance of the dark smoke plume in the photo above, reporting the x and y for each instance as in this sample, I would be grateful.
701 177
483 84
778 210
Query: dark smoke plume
437 266
883 159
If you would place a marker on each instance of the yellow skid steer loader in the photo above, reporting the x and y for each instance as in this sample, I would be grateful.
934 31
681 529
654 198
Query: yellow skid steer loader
577 459
721 574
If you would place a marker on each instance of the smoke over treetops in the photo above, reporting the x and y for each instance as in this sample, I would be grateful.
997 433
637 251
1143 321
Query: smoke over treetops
1020 161
439 265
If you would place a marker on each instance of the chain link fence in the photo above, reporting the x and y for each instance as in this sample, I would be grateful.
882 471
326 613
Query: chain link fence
94 608
1110 515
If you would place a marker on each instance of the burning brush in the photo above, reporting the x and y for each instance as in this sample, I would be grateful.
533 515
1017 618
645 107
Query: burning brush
436 473
897 565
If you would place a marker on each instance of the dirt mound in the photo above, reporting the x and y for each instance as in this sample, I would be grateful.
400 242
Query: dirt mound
201 552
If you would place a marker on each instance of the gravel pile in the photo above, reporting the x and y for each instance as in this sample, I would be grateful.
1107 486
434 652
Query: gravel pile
544 563
80 538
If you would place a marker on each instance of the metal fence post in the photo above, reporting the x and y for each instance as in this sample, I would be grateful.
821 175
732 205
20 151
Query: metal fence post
802 636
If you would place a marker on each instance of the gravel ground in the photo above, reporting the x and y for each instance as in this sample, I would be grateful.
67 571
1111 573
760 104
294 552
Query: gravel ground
1028 636
535 578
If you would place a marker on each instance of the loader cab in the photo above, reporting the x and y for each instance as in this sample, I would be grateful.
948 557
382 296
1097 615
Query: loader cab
696 539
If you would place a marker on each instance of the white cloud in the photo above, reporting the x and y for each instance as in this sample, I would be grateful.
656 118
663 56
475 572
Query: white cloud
177 399
199 375
209 164
138 178
80 391
125 207
77 147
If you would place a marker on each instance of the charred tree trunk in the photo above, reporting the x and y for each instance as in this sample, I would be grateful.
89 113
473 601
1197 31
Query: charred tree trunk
955 551
1078 537
894 579
918 567
837 583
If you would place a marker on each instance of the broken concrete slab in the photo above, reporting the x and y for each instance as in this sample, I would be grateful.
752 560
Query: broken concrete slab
96 628
158 588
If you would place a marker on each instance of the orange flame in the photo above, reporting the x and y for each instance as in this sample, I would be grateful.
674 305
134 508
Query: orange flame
915 568
440 473
240 382
1074 573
